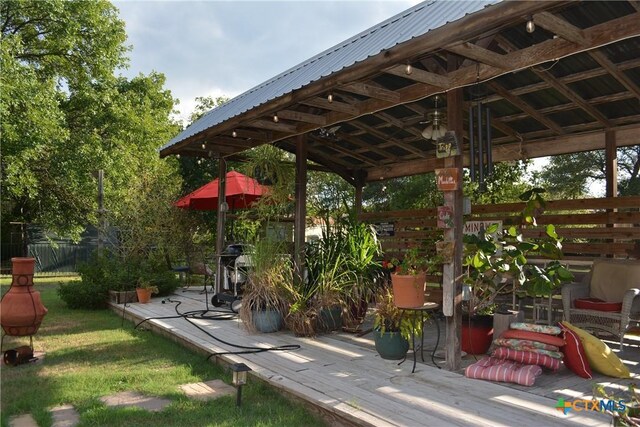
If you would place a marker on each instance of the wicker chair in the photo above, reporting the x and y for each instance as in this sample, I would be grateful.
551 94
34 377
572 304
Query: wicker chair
611 280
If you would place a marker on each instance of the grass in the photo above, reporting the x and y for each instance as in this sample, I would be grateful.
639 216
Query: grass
90 354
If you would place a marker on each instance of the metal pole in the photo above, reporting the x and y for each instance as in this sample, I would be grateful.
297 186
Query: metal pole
222 178
480 148
489 148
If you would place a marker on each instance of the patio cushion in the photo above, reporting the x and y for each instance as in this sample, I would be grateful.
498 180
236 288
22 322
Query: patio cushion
492 369
575 358
597 304
533 336
599 355
524 344
543 329
610 278
527 357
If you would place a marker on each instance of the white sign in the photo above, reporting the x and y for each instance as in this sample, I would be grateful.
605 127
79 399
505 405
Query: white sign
474 227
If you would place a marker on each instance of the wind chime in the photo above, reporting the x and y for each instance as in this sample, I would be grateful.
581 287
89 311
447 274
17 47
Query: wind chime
481 162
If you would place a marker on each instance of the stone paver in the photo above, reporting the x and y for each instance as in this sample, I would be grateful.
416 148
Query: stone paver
64 416
131 398
22 421
208 390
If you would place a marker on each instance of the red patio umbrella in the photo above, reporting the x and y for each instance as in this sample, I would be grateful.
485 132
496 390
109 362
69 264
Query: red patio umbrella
240 192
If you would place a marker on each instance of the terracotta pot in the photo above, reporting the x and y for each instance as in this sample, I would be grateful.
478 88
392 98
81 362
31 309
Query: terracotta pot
144 295
21 309
408 290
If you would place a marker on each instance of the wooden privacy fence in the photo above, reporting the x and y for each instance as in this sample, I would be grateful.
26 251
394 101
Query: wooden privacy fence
591 228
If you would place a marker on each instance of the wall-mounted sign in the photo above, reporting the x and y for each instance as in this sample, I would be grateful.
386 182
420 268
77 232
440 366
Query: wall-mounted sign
445 249
447 179
445 217
447 145
385 228
474 227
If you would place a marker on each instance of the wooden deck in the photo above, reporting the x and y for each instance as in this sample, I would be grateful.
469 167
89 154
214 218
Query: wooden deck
343 376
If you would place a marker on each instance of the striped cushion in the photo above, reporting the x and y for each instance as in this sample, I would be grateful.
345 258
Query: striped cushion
493 369
575 358
527 357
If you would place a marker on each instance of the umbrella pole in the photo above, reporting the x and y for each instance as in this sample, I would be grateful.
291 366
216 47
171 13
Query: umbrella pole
222 174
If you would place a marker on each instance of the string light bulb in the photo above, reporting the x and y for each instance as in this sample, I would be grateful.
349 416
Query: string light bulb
275 118
199 161
234 134
177 156
330 98
408 70
204 145
531 26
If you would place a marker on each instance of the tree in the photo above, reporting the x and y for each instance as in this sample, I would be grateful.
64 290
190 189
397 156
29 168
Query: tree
572 175
64 115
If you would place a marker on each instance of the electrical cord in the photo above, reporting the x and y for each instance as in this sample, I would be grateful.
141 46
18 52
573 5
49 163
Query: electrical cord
223 315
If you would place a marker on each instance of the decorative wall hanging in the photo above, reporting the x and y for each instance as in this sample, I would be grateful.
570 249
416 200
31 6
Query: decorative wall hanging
445 217
447 179
480 147
447 145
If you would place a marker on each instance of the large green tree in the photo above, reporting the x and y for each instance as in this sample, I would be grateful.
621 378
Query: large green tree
573 175
64 114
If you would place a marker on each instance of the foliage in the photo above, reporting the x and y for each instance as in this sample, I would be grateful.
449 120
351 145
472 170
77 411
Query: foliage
389 318
93 354
573 175
64 115
143 284
413 263
326 195
269 278
504 185
630 417
497 262
411 192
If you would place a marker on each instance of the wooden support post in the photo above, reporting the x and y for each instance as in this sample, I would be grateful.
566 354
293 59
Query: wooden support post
452 285
222 176
611 163
301 206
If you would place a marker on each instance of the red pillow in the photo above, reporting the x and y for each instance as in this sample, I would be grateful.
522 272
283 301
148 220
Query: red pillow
533 336
597 304
575 358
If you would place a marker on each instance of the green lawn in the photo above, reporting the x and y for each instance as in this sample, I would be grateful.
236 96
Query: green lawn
90 354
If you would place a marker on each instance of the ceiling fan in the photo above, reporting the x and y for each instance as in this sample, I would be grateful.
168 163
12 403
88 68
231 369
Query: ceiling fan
436 121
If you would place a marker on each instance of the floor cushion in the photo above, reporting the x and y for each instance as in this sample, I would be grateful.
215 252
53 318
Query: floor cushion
575 358
492 369
527 357
543 329
597 304
600 357
533 336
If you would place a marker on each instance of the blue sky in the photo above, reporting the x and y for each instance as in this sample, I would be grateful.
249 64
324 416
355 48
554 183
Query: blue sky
213 48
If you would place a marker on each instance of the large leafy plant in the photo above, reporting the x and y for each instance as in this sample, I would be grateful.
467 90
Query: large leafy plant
498 263
390 318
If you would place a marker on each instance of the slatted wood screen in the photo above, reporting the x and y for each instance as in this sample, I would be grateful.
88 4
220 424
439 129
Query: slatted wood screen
606 227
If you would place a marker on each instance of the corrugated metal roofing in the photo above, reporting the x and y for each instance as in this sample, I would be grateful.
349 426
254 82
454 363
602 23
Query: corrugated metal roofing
400 28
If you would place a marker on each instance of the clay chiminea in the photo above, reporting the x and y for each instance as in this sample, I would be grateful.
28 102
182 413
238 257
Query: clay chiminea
21 310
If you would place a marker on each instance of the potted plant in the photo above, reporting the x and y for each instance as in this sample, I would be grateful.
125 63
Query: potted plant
144 290
408 279
392 328
263 301
496 264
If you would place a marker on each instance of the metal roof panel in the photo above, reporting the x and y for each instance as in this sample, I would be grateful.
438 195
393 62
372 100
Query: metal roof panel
400 28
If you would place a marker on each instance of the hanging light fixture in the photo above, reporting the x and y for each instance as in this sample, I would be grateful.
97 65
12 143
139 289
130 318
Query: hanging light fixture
204 145
330 98
531 26
234 134
436 129
275 118
408 69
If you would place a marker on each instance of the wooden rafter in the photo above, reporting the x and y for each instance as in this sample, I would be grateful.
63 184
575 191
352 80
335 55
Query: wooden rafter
335 145
477 53
525 107
268 124
560 27
418 75
606 63
338 106
302 117
371 91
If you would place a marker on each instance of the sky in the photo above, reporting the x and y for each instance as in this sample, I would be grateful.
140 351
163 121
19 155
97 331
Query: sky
224 48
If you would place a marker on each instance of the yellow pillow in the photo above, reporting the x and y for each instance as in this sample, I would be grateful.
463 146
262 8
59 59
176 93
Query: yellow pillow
599 355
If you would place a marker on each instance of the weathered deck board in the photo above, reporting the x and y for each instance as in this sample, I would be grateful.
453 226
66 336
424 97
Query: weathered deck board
344 375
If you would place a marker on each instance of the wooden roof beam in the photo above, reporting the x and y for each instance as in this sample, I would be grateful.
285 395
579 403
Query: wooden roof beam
560 27
385 137
341 107
302 117
371 91
606 63
477 53
418 75
334 145
267 124
525 107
